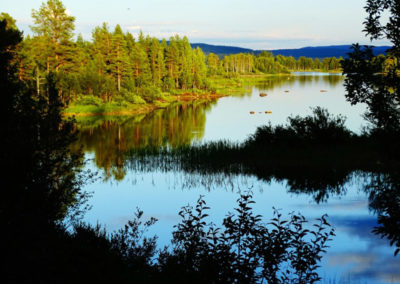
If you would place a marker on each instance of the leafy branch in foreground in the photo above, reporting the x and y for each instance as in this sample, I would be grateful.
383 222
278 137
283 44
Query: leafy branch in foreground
245 249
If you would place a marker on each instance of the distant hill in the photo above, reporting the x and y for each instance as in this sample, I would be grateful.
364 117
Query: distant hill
221 50
314 52
323 51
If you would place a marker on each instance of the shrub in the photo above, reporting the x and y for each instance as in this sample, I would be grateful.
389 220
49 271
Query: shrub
131 97
120 101
89 100
150 94
245 250
320 127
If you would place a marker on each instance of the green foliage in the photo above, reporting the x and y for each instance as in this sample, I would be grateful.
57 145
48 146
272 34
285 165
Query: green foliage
89 100
319 128
41 183
10 21
119 101
372 80
131 97
54 30
150 94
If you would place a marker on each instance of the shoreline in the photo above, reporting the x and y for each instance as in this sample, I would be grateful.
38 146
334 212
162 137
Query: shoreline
144 109
225 87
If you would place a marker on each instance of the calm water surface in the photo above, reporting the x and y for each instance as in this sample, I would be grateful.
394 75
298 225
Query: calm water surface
356 255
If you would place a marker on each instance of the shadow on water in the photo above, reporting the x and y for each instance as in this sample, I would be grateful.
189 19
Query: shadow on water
314 155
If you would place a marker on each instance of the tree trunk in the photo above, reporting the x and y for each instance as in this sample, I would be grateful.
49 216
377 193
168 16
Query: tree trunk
37 81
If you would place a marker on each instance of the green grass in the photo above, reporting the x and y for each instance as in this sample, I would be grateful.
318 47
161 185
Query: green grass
106 108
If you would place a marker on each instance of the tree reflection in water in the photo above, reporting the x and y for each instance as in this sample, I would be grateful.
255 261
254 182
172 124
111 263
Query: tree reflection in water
111 140
315 155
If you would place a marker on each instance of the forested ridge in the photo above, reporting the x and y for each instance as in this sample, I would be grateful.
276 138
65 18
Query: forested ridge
116 68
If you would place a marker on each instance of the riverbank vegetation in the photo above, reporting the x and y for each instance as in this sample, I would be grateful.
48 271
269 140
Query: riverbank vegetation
116 73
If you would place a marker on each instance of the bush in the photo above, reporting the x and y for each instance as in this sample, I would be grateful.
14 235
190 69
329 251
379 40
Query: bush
135 99
209 86
87 100
245 250
131 97
320 127
120 101
150 94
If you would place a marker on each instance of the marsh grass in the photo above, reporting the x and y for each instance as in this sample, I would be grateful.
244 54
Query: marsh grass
310 146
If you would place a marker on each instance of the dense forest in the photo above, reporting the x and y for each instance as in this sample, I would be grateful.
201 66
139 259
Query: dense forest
117 67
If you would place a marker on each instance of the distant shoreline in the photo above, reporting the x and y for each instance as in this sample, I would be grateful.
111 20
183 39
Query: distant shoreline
225 87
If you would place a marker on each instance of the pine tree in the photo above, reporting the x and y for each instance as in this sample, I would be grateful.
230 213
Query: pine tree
141 66
101 51
54 27
186 63
154 53
172 59
119 57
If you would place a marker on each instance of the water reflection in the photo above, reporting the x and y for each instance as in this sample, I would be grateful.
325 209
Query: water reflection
326 186
354 208
321 182
110 139
302 78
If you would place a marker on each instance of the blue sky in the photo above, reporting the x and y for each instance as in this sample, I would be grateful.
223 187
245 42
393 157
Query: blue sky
257 24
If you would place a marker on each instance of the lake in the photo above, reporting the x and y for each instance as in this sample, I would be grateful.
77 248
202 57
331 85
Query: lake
356 254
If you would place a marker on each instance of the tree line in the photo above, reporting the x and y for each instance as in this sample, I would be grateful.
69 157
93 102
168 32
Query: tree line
113 63
266 62
116 65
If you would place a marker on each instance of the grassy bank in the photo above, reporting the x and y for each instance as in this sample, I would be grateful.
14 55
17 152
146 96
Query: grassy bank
123 105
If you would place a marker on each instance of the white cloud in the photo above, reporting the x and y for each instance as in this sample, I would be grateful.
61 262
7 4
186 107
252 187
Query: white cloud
133 28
